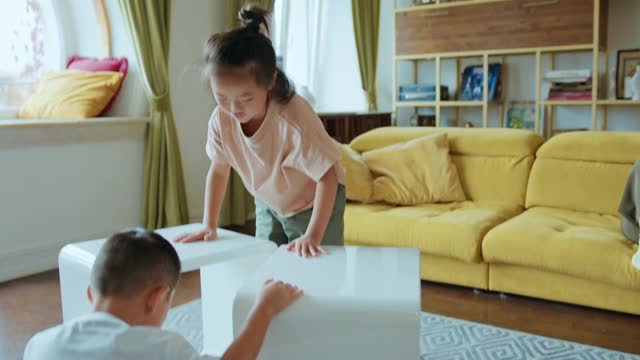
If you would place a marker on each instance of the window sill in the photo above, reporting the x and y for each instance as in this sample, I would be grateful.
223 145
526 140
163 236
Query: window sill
25 133
13 122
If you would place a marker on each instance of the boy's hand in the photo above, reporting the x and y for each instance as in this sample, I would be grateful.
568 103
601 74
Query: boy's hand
205 234
306 246
276 296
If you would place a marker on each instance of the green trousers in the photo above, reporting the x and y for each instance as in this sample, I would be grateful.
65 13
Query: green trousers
282 230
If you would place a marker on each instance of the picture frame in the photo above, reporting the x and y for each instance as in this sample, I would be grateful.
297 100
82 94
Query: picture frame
626 64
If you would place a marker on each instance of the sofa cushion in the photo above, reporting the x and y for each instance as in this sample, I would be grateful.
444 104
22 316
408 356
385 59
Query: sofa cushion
486 178
358 179
598 146
492 164
583 171
577 185
462 141
452 230
416 172
580 244
71 94
82 63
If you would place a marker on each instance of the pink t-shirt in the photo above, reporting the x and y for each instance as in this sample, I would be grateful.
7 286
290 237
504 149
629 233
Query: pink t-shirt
283 160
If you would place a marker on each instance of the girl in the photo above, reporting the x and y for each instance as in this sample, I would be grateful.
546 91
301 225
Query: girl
274 141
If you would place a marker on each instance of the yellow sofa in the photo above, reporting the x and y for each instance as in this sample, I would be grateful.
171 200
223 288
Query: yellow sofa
541 218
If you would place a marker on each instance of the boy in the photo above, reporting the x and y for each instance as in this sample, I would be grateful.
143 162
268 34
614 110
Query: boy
630 211
132 285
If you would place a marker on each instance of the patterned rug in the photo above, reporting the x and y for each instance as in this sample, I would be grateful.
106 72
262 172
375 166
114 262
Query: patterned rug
444 338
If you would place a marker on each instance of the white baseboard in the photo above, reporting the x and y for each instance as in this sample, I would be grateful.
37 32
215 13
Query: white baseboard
39 258
28 263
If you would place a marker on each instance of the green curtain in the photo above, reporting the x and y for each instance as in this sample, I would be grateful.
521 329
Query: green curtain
366 22
238 206
165 201
234 6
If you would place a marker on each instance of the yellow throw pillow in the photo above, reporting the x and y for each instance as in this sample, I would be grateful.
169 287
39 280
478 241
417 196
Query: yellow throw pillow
71 95
416 172
359 182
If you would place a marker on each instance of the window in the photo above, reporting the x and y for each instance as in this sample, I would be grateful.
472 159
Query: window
315 40
30 47
279 30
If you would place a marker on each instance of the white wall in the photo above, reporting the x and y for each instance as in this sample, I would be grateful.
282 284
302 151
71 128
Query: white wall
193 22
519 83
62 184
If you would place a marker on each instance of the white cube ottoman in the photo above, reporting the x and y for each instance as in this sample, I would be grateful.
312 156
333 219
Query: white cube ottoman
230 261
359 303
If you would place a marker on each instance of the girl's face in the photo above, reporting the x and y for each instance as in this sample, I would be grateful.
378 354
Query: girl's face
240 96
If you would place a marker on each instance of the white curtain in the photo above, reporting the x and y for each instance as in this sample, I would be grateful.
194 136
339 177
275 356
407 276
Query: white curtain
315 39
301 42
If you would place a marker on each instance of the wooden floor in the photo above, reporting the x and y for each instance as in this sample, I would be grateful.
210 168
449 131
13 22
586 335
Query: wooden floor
31 304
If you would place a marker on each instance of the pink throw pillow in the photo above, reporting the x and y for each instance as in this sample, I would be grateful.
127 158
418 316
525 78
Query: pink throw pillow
82 63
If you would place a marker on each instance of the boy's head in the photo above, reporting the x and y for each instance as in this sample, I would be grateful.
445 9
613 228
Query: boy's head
240 64
135 275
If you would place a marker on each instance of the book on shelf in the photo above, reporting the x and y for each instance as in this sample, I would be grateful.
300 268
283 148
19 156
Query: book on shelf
569 85
521 115
569 80
421 92
568 74
419 96
473 82
569 96
420 88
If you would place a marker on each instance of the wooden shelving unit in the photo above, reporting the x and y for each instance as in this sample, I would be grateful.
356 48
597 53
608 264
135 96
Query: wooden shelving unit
439 5
407 48
566 102
616 102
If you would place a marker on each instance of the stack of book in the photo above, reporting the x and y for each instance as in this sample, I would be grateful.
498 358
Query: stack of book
569 84
421 92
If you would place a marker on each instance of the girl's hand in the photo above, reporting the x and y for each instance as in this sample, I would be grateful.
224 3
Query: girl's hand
306 246
205 234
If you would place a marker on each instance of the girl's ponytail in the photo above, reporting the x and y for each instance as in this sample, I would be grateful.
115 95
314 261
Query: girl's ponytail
249 46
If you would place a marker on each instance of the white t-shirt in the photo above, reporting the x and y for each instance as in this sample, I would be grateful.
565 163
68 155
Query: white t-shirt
102 336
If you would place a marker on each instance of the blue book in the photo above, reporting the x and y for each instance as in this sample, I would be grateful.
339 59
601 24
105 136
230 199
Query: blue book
417 88
431 96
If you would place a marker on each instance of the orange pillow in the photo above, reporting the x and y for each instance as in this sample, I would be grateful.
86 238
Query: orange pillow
71 94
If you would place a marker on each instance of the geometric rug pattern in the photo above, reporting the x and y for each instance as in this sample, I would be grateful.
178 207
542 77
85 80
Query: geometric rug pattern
444 338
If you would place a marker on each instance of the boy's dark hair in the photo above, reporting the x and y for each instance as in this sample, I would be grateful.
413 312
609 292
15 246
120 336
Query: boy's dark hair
132 260
248 46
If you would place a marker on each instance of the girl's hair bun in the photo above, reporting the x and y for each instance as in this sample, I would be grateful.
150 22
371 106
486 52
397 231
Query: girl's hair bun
253 16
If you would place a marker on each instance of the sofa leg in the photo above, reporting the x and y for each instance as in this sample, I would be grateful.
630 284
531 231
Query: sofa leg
479 291
503 295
